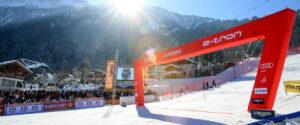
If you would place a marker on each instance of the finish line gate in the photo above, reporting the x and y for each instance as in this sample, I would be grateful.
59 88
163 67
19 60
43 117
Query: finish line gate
274 29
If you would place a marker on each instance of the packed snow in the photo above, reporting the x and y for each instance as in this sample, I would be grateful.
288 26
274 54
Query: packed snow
224 105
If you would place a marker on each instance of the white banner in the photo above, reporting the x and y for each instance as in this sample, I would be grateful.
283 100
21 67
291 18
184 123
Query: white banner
131 99
89 103
23 109
125 74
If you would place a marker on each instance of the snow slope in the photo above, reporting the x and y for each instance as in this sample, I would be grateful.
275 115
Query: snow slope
224 105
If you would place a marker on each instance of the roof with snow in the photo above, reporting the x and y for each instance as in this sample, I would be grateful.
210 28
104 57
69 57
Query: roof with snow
34 64
171 67
8 67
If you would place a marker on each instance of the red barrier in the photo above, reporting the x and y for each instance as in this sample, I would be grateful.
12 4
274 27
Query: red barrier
275 31
58 105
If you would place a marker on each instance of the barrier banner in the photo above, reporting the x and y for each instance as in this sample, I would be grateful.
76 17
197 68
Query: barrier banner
23 109
89 103
292 86
262 114
59 105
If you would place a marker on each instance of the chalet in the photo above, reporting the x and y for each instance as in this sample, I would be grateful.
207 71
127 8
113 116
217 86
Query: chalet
179 69
36 68
12 74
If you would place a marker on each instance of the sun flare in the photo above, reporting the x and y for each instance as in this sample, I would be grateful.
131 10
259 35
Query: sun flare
128 7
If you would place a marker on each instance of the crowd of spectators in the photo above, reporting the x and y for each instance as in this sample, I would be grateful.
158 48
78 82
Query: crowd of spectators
119 93
28 96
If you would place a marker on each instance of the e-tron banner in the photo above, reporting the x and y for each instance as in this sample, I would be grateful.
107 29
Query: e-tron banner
23 109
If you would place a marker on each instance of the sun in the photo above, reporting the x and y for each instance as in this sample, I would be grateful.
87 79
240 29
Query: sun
128 7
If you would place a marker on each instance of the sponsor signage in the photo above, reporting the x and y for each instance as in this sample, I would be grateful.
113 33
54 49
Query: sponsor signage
260 91
220 39
262 114
258 101
61 105
23 109
89 103
125 74
292 86
172 53
266 66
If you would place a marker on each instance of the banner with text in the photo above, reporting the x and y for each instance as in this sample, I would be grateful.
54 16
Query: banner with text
61 105
89 103
292 86
23 109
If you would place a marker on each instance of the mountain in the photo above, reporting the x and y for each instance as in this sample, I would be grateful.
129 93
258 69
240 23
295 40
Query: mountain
42 3
63 35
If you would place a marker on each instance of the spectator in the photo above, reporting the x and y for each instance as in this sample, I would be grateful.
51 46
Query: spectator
204 86
207 85
25 96
214 84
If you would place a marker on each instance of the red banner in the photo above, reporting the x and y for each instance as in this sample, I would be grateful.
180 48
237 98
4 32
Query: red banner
61 105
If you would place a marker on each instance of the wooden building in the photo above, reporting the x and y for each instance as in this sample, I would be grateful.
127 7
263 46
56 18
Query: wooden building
12 74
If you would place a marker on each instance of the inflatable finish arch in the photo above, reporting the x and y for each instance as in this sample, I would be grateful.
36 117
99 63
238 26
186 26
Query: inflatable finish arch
275 30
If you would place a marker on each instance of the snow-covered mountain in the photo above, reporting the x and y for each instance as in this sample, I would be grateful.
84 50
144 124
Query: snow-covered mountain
56 30
12 11
42 3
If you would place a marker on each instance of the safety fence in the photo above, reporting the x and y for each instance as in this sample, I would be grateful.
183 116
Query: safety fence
26 108
178 86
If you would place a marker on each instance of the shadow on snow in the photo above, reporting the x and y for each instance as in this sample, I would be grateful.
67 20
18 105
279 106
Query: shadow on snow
145 113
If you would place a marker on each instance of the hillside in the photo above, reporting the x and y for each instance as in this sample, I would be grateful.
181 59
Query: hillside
64 35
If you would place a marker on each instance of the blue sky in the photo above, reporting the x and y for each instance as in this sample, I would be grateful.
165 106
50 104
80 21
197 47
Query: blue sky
222 9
